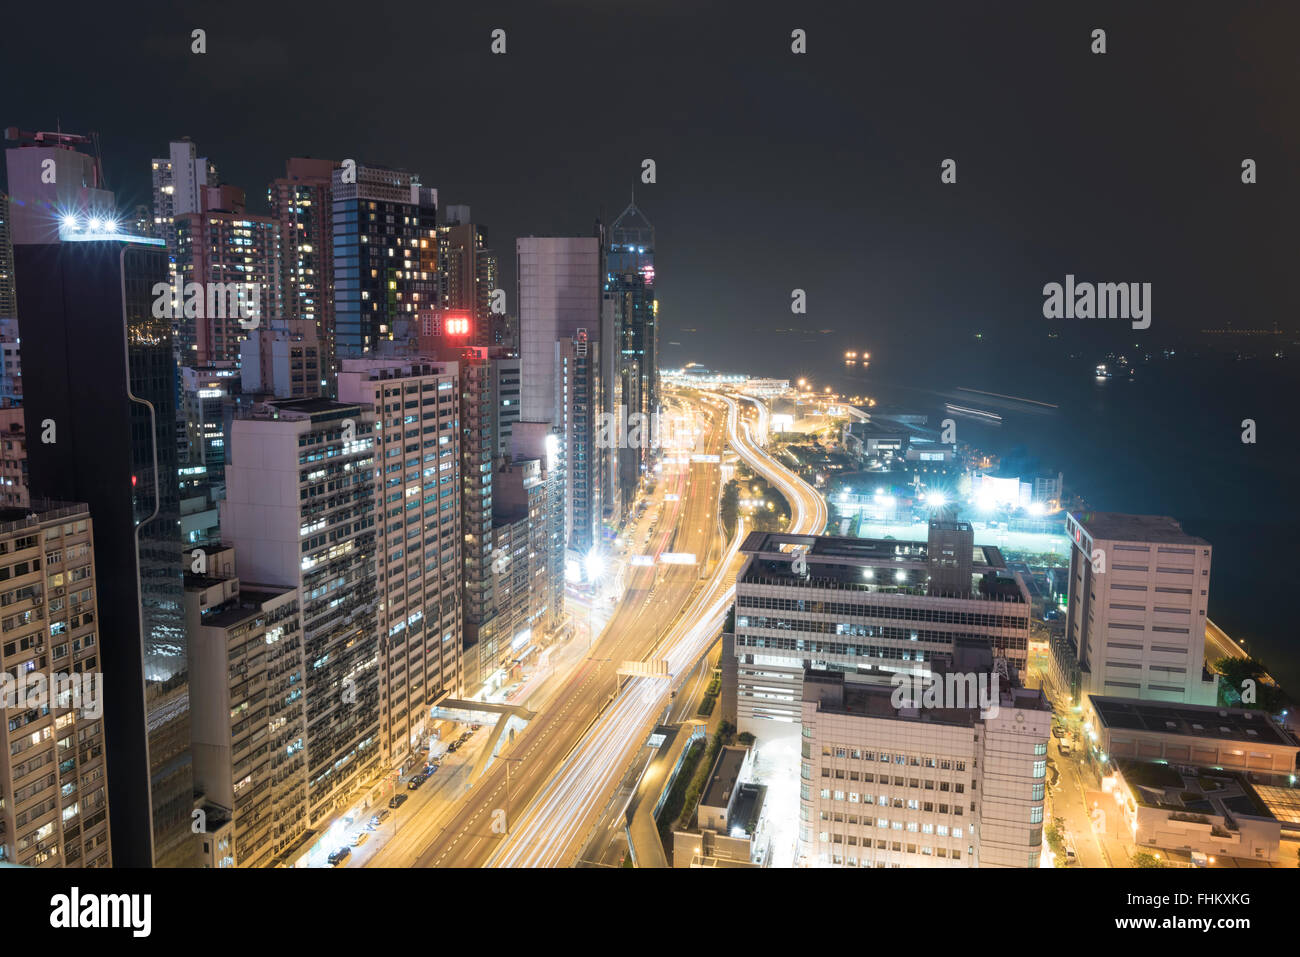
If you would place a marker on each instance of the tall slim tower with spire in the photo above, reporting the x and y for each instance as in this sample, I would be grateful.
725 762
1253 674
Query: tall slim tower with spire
630 294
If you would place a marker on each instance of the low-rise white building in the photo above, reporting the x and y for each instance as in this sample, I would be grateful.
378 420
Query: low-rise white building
887 786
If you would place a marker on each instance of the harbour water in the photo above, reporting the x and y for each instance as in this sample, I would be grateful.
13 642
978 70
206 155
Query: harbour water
1165 440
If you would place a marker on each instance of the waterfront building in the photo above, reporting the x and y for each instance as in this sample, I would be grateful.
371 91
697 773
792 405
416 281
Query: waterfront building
862 607
883 786
1135 622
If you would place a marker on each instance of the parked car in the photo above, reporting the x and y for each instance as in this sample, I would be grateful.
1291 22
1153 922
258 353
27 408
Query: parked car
397 801
360 838
1058 731
379 818
1070 856
451 748
415 782
339 856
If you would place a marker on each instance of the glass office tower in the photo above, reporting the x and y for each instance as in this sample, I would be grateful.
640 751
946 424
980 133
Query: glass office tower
99 377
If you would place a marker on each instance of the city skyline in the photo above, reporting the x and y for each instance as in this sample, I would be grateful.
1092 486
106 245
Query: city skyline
591 436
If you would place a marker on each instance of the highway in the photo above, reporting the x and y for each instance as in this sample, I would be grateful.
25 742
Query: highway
557 824
565 765
468 833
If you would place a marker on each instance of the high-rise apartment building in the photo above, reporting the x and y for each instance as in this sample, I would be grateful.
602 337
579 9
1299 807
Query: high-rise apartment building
882 786
477 450
249 715
276 361
13 458
418 539
203 394
11 363
54 803
100 384
178 182
527 558
300 513
8 297
860 606
302 205
1135 624
505 400
467 270
385 258
223 246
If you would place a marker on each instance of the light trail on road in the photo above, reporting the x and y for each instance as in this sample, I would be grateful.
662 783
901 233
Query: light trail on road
553 829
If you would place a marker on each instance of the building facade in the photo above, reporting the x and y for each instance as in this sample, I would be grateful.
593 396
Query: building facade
54 807
95 300
419 538
222 245
860 607
385 257
302 206
630 291
178 182
1135 621
920 787
467 270
249 715
300 512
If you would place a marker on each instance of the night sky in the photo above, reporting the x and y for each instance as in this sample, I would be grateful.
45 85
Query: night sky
775 171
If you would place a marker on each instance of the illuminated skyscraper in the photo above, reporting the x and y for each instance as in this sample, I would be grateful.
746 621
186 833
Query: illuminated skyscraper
300 512
99 384
629 291
468 274
178 182
223 243
560 329
302 206
385 258
418 540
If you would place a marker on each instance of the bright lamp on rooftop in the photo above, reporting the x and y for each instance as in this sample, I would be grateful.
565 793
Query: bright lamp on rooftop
936 500
70 222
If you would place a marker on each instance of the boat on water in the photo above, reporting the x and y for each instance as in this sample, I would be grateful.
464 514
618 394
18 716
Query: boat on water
1103 372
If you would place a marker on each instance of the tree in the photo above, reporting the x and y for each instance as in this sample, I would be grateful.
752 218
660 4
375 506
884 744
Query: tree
730 506
1144 859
